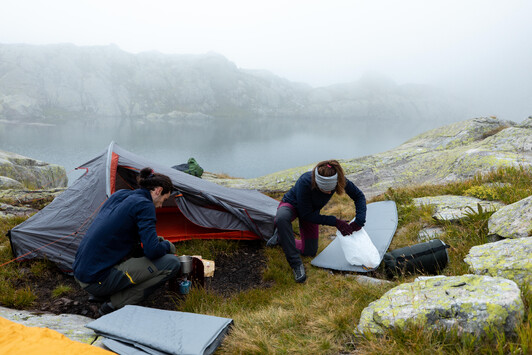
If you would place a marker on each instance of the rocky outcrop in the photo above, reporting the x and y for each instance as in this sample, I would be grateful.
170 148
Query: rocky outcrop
453 208
57 83
512 221
509 258
469 303
451 153
29 172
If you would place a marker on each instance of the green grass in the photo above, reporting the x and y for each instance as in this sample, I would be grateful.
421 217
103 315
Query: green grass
319 317
61 290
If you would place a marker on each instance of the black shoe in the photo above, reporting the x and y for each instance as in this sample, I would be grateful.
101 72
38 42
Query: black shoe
96 299
106 308
274 240
299 273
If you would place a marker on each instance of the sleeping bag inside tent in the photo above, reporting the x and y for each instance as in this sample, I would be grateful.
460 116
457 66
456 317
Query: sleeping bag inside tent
197 209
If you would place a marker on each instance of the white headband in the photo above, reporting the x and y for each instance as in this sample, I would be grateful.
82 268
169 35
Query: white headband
326 183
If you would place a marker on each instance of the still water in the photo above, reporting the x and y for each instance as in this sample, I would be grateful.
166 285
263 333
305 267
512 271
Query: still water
231 149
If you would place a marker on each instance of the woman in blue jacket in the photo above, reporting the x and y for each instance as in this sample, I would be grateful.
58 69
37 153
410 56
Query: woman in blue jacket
108 264
305 200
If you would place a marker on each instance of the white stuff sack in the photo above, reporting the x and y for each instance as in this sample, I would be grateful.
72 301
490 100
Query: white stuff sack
359 249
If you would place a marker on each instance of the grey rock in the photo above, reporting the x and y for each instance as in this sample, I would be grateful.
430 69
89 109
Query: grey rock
452 208
469 303
30 172
369 281
512 221
70 325
12 211
8 183
20 197
509 258
427 234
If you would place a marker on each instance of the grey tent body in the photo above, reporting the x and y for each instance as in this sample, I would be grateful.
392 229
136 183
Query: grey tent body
198 209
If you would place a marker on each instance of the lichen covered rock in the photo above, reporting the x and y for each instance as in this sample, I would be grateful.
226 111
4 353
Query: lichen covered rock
70 325
509 258
30 172
469 303
8 183
513 221
450 208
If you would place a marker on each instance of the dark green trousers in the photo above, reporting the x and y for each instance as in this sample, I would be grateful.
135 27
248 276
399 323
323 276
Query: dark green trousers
133 280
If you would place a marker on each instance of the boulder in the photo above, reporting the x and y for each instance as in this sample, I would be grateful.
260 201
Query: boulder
427 234
368 281
470 304
508 258
8 183
512 221
31 173
452 208
70 325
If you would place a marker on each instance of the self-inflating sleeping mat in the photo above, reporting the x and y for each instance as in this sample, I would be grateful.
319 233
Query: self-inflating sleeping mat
381 223
142 330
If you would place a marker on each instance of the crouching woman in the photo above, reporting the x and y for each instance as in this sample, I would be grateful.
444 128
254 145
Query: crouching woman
304 200
108 264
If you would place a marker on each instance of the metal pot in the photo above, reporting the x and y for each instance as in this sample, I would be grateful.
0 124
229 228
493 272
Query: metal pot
186 264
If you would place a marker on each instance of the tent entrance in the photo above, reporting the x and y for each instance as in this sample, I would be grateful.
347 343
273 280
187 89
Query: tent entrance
174 226
171 222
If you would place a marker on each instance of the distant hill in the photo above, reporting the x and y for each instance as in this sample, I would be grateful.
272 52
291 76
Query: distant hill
62 82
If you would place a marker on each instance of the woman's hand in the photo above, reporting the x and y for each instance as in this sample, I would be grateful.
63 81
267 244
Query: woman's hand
344 227
355 226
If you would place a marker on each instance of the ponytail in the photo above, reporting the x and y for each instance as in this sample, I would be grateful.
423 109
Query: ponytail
149 179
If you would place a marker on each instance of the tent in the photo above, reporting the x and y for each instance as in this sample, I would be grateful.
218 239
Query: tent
197 209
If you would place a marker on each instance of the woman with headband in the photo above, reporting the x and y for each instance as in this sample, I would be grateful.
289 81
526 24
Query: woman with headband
304 200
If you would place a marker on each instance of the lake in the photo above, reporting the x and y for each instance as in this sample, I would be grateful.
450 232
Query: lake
231 148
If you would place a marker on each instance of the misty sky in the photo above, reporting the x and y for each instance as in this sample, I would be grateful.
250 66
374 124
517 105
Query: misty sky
479 47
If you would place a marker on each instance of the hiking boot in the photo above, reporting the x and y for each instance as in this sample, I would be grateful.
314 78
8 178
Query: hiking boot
106 308
299 273
96 299
274 240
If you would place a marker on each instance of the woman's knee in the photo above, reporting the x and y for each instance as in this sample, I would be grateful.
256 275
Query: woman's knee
283 217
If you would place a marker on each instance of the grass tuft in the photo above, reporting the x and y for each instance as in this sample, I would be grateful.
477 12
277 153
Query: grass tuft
61 290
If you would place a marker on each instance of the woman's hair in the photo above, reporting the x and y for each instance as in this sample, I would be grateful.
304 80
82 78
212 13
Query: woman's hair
150 180
329 168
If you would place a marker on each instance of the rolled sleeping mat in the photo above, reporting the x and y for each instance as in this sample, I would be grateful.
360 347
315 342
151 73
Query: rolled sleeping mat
426 258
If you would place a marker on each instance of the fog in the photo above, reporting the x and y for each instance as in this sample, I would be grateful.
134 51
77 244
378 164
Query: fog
481 49
478 50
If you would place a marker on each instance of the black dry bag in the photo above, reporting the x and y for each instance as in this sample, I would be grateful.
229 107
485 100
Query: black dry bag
427 258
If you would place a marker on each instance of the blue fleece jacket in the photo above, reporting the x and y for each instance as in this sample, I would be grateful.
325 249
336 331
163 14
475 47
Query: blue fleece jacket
125 219
308 202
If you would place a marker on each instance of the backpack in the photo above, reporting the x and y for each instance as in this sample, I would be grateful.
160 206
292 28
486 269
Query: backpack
191 167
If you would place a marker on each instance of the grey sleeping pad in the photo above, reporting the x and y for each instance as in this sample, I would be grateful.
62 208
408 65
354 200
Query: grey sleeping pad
138 330
381 223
